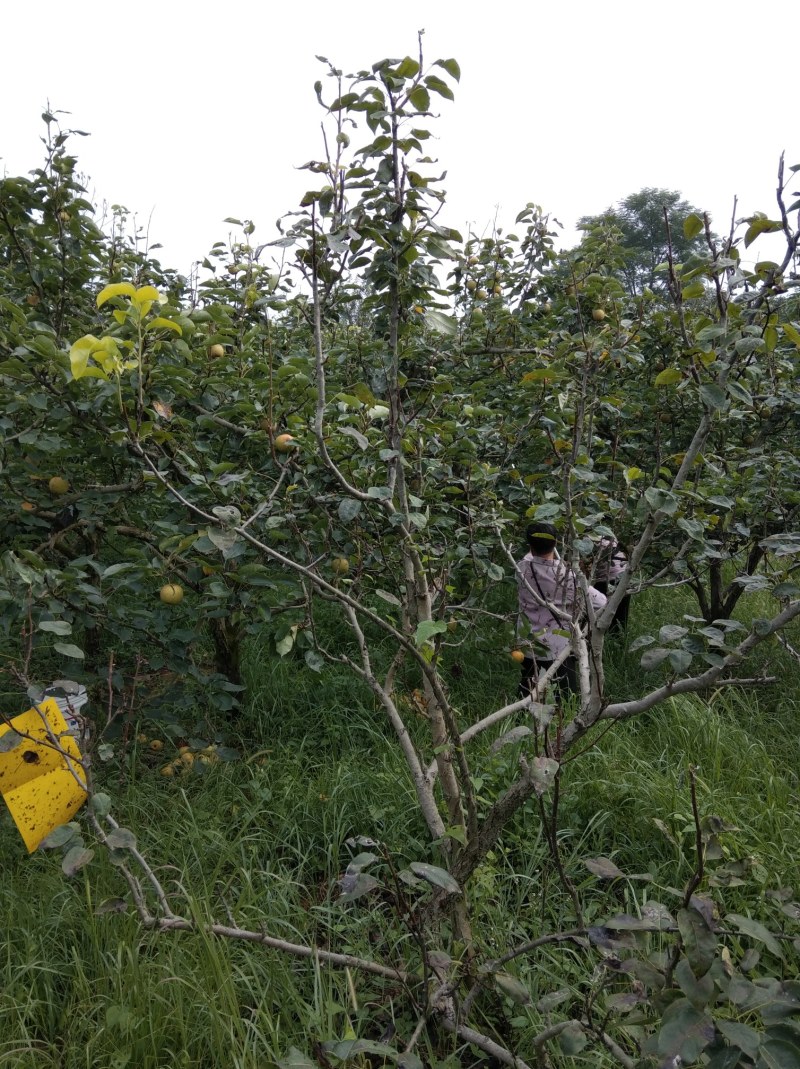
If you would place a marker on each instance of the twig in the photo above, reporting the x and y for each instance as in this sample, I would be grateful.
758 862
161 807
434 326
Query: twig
225 931
482 1042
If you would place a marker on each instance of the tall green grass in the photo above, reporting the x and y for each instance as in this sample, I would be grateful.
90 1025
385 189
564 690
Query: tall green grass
266 843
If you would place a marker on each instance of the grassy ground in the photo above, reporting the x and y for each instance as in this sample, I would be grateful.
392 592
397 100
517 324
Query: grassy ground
265 838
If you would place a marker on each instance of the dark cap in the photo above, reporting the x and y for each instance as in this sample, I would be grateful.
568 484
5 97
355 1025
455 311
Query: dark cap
542 532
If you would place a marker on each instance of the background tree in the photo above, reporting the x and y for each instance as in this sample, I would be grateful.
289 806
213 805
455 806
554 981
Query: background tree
640 234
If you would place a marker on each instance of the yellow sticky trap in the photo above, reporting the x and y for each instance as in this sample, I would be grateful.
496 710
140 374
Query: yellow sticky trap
38 782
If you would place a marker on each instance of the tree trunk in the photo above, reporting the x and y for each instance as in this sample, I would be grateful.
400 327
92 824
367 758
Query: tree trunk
227 640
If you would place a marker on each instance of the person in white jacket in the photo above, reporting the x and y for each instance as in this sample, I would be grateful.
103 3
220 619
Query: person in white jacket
550 597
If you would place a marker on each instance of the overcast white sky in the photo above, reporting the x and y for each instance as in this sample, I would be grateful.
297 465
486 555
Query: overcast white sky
200 111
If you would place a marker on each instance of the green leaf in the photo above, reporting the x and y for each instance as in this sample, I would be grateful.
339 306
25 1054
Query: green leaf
604 868
409 1060
351 1048
434 875
741 1036
725 1058
699 941
349 508
57 627
355 885
685 1033
737 391
420 98
457 832
451 66
76 859
224 541
747 926
10 740
121 839
778 1054
652 658
632 474
285 644
295 1059
100 804
692 226
427 629
698 991
67 649
713 395
668 377
573 1039
694 289
680 660
642 640
386 596
440 322
511 986
759 224
58 837
351 432
543 774
436 85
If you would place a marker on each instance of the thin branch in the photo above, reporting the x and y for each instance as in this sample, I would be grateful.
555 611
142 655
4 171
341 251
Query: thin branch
226 931
482 1042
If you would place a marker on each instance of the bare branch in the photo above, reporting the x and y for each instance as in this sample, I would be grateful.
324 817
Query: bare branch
482 1042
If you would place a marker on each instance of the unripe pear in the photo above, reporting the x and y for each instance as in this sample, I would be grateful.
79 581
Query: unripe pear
284 442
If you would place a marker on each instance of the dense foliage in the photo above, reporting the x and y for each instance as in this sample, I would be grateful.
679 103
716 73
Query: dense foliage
330 441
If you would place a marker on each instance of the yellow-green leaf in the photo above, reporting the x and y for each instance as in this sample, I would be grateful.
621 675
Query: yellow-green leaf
148 293
116 289
632 474
692 225
79 355
668 377
104 352
160 323
792 333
